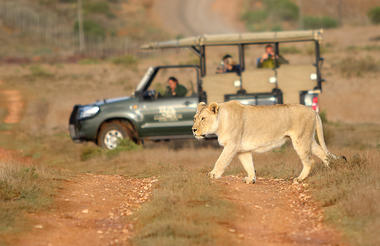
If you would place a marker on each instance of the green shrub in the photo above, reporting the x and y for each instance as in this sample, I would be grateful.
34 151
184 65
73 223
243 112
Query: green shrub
271 16
374 15
95 151
98 8
255 16
314 22
124 145
283 10
91 29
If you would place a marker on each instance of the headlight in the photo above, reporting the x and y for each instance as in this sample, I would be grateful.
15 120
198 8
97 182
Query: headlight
88 111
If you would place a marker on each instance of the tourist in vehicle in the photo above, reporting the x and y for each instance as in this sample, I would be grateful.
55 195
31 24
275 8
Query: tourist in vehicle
174 89
228 66
267 60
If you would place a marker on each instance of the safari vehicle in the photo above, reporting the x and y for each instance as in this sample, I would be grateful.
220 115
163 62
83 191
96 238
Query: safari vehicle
146 115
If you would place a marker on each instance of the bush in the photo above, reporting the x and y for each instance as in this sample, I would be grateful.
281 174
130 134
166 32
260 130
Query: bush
374 15
255 16
92 30
314 22
283 10
98 8
276 11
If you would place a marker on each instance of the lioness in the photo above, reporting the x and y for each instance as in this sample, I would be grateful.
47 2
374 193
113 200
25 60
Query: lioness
242 129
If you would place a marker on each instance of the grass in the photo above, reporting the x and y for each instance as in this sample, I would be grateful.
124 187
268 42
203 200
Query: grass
126 60
93 151
22 189
186 209
39 72
358 67
315 22
364 48
350 192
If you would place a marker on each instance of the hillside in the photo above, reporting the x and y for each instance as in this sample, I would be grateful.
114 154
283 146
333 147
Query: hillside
50 28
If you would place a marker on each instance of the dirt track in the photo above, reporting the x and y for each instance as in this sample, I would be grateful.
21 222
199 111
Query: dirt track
90 210
276 212
189 17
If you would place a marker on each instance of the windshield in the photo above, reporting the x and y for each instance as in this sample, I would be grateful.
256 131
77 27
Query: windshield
144 79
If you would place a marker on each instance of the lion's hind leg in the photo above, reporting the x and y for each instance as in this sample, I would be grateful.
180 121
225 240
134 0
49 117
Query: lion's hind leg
303 150
247 162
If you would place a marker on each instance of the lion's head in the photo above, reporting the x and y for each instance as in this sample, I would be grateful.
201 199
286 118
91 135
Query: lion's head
205 120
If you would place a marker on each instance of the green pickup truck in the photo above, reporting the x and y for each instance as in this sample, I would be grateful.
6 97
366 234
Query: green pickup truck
148 115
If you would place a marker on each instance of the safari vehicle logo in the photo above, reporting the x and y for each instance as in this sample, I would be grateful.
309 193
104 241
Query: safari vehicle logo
167 113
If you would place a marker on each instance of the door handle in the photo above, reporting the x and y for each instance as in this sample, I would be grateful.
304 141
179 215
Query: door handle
187 103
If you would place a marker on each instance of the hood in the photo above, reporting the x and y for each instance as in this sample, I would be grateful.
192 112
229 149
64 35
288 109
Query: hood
112 100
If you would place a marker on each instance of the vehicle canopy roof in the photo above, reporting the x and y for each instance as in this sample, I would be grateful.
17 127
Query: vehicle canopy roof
238 38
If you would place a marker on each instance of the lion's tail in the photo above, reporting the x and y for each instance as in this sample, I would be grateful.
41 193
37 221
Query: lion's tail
321 138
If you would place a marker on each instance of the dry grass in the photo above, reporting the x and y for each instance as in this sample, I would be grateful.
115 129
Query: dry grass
358 67
350 193
186 209
22 188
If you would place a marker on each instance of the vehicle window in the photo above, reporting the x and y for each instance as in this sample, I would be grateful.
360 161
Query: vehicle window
175 82
293 75
222 60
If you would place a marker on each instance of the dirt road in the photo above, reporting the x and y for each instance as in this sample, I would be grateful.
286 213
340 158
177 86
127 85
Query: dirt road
90 210
276 212
188 17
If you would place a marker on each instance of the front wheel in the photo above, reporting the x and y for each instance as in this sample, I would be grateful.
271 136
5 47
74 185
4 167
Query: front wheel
111 133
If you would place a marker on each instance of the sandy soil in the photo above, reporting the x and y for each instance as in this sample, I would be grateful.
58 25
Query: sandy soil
276 212
90 210
15 105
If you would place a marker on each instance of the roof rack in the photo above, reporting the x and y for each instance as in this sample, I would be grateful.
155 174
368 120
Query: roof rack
238 38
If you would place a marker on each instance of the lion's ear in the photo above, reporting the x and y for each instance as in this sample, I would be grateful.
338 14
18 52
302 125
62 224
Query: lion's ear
213 107
201 105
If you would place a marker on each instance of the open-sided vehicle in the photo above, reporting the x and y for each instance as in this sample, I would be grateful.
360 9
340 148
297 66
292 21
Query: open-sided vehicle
146 115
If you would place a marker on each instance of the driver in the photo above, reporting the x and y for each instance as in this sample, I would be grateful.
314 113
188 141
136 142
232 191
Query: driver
174 89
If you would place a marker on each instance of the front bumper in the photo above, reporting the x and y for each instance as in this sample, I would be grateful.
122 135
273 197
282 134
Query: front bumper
74 125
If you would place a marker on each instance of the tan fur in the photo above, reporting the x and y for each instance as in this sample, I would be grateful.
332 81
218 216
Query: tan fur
245 129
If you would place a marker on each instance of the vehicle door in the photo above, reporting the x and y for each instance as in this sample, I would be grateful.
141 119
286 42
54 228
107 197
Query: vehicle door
168 116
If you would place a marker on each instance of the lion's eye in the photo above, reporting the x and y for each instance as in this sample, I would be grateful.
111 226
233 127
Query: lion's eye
203 118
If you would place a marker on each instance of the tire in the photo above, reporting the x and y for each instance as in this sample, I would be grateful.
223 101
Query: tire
112 132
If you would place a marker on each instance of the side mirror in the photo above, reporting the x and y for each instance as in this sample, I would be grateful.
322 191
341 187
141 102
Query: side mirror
273 80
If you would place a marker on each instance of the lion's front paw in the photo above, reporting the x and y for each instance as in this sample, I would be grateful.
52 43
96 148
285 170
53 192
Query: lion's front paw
214 174
249 180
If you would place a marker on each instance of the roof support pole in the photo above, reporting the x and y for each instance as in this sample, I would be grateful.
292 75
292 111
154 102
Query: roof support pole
317 64
203 60
241 57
